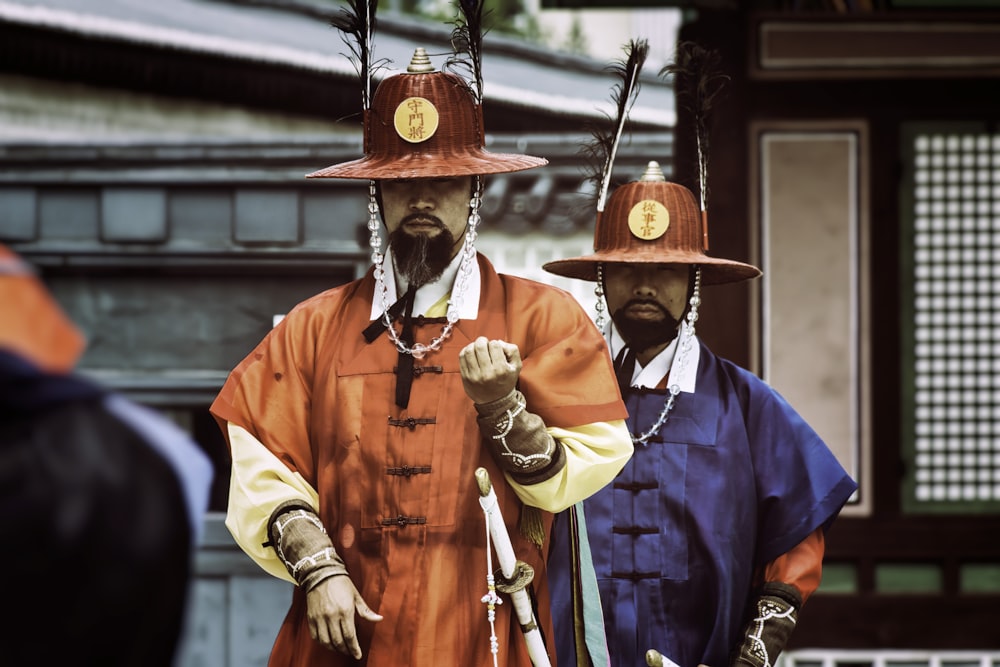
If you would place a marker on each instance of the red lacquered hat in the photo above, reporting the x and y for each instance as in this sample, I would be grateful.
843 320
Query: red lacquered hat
655 222
32 325
425 124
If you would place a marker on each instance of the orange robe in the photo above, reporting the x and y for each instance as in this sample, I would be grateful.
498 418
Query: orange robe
322 401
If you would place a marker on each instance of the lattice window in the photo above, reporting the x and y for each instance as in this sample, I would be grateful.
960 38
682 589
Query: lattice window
952 319
861 658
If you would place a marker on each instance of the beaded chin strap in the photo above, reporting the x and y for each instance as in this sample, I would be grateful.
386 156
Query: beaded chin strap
599 292
419 350
681 356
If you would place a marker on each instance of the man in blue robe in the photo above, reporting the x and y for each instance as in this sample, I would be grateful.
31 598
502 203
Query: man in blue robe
710 540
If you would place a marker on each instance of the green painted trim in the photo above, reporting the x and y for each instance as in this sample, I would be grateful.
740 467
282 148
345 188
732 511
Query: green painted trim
839 578
908 578
979 578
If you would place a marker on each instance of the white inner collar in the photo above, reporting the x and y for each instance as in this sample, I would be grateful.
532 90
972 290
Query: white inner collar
432 292
649 376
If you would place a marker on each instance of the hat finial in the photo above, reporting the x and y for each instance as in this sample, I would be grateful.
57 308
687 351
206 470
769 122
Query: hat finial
420 63
653 173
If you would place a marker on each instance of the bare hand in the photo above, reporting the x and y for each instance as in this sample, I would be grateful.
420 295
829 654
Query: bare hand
489 369
330 607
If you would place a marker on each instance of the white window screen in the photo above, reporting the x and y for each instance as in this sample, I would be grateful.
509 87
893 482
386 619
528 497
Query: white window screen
954 319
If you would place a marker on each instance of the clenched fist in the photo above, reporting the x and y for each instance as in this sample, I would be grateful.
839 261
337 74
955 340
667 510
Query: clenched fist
490 369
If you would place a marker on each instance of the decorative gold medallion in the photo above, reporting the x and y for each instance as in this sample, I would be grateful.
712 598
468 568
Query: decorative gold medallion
416 119
649 219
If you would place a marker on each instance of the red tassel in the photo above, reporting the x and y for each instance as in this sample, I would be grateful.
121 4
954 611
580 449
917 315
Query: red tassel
704 230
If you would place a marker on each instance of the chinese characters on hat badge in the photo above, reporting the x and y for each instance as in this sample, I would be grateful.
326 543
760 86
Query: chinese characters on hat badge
648 219
416 119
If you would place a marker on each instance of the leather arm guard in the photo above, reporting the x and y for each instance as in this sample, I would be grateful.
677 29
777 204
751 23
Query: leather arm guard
302 544
518 441
766 635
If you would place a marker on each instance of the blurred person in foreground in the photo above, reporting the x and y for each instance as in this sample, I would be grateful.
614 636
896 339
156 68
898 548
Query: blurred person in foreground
101 500
357 425
708 543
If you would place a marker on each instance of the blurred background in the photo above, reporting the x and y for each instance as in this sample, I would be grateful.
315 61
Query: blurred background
151 167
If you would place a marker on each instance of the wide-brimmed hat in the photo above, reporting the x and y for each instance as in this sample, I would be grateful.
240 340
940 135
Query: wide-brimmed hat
32 325
652 221
425 123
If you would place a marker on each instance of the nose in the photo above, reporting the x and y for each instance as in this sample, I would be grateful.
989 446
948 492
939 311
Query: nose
643 285
422 197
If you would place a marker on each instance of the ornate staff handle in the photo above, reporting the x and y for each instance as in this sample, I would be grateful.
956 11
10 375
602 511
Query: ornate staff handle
517 574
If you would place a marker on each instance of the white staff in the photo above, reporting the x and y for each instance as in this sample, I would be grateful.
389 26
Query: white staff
517 574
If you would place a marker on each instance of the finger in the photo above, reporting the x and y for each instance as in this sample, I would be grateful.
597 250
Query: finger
336 635
365 612
315 632
469 356
463 360
512 354
483 352
498 353
468 364
321 633
369 615
350 639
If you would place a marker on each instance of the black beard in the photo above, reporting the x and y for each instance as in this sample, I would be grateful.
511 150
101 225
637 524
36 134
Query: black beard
419 258
642 335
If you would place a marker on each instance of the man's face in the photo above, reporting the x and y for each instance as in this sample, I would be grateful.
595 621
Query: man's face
426 219
646 301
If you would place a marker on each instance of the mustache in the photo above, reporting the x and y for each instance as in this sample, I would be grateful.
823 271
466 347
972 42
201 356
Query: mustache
646 302
424 218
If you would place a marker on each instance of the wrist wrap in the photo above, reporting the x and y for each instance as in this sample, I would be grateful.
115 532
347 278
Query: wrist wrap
766 635
518 441
303 545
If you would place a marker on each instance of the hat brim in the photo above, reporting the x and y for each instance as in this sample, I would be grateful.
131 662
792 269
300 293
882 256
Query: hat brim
714 271
32 323
420 165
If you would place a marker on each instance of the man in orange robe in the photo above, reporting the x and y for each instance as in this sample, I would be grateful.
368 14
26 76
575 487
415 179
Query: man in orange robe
357 424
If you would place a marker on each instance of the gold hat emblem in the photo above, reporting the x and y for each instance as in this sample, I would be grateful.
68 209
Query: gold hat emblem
416 119
648 219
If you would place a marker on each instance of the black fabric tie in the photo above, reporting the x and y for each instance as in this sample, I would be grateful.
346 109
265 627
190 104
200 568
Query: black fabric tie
624 368
377 326
404 368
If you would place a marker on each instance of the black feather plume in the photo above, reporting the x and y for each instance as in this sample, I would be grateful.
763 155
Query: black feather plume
357 26
467 43
698 80
602 150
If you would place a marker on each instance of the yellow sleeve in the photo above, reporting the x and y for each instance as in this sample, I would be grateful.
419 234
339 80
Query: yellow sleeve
259 483
595 454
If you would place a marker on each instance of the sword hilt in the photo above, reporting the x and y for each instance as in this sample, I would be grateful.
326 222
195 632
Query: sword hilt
656 659
483 479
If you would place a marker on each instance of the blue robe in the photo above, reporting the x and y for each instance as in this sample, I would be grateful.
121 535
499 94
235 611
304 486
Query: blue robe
735 479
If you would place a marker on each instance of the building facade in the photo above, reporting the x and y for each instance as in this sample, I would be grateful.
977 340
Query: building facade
859 145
